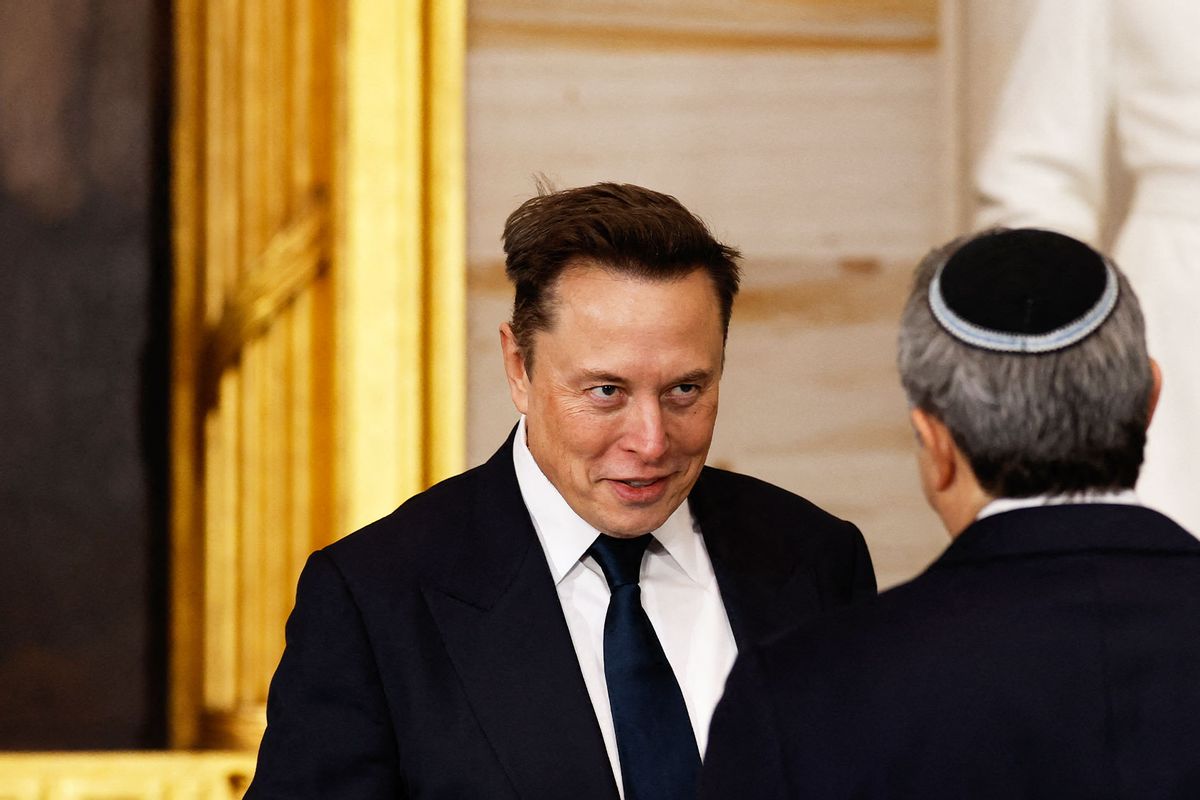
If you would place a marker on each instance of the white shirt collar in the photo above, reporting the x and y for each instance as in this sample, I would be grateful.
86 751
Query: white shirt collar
565 536
1002 504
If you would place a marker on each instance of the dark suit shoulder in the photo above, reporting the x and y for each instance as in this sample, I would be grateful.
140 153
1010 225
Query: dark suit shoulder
1058 655
755 501
738 488
442 506
963 617
760 529
748 493
432 533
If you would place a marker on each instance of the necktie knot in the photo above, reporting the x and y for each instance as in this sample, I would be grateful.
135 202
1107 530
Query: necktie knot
620 558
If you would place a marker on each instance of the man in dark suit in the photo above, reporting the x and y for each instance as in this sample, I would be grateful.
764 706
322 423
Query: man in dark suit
559 622
1054 648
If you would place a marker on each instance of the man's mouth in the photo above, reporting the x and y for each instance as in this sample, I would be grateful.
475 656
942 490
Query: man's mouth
640 491
641 483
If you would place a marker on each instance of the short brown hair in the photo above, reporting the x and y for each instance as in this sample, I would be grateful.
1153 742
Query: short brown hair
622 227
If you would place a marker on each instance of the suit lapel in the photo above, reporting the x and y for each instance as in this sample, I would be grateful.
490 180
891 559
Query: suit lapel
503 627
764 585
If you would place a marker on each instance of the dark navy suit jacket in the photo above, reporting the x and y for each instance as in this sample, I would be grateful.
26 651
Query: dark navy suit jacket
428 656
1049 653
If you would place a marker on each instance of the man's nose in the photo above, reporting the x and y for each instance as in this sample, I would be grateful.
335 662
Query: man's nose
646 434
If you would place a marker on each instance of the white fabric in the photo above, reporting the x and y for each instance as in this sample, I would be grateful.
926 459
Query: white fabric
679 593
1126 71
1002 504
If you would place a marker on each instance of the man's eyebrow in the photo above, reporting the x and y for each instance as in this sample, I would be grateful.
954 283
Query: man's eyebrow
605 377
600 376
695 376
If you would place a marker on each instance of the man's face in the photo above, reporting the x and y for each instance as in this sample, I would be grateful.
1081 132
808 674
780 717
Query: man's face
622 398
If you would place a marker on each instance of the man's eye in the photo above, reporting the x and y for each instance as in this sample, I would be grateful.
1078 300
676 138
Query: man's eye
685 389
607 390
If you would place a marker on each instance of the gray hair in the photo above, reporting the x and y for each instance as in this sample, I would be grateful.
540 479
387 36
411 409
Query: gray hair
1066 421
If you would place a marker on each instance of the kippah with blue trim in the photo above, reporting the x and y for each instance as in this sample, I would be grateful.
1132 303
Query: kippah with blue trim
1023 291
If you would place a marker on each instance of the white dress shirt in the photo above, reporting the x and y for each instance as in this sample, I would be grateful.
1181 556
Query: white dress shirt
679 593
1126 497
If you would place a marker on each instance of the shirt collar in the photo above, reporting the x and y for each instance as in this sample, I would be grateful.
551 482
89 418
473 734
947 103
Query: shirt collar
565 536
998 506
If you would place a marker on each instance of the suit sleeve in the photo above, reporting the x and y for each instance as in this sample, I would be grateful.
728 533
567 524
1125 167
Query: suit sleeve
744 757
328 729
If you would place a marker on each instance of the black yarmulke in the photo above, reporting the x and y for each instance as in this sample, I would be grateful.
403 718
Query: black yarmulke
1023 290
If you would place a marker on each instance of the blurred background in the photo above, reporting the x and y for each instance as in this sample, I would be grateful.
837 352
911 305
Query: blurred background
254 279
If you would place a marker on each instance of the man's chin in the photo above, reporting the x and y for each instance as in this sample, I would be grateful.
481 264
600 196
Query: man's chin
628 525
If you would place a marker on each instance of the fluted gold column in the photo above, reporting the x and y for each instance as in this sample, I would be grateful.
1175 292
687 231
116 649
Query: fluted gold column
252 428
319 311
400 253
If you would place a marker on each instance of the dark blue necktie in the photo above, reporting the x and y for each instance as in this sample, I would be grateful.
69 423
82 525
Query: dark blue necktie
655 742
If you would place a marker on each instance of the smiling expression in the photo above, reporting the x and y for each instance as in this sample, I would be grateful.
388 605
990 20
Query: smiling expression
622 399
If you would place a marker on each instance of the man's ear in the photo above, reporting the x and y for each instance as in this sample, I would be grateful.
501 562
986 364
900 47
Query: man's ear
514 368
1155 389
937 462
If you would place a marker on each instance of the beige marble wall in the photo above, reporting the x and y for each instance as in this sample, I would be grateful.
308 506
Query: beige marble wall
824 159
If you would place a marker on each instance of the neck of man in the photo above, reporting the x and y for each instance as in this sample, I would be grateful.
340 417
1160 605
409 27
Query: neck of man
960 503
949 483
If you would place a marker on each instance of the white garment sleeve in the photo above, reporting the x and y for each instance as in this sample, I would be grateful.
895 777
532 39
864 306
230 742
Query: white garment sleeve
1044 165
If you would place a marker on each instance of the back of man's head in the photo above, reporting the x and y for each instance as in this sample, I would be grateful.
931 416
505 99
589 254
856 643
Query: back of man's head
622 227
1029 346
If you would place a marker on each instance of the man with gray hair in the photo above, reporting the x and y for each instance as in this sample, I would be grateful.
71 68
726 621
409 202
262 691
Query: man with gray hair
1053 650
